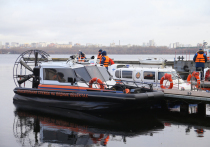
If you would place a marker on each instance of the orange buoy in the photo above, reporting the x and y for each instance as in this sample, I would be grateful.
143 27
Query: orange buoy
196 75
127 91
189 78
166 77
96 80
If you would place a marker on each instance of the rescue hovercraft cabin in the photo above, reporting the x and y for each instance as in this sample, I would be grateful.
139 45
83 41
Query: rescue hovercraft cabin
70 85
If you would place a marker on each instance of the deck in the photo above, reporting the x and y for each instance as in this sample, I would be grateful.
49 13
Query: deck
192 95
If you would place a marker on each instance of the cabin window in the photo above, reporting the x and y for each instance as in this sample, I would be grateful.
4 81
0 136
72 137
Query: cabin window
94 72
118 74
58 74
121 66
104 73
88 72
82 73
161 74
150 75
127 74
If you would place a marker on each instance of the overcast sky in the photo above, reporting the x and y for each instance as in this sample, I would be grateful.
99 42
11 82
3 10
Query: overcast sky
105 21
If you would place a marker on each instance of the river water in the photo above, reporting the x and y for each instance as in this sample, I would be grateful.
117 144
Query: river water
61 128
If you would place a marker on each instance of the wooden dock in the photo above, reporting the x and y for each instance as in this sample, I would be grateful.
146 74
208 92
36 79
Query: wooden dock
186 97
190 96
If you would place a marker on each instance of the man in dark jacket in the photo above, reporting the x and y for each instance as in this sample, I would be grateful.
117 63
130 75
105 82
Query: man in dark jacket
200 60
82 56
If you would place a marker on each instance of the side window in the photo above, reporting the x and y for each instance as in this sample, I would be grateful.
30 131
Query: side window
127 74
58 74
50 74
117 74
150 75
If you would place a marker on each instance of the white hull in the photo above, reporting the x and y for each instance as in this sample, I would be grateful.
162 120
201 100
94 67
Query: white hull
153 61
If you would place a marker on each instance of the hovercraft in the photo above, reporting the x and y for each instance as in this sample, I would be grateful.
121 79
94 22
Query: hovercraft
73 86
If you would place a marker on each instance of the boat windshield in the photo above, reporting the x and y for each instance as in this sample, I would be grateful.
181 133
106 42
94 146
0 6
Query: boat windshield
173 74
58 74
89 72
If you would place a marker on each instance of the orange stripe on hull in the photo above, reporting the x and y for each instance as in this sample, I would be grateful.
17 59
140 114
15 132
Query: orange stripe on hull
66 88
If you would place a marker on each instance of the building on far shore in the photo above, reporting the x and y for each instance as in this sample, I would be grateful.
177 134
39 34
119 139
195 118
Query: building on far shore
7 45
34 45
14 44
63 46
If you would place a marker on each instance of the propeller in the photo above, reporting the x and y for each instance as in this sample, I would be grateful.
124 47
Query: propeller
25 78
25 65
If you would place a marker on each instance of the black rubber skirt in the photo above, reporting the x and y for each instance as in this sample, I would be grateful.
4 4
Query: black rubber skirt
85 100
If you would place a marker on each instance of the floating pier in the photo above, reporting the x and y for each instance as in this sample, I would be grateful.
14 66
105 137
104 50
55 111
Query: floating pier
187 95
201 98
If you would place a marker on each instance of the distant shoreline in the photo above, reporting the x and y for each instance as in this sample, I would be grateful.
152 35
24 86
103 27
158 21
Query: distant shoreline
109 50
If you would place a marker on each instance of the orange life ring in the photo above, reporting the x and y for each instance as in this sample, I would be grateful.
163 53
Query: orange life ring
196 75
189 78
166 77
98 81
127 91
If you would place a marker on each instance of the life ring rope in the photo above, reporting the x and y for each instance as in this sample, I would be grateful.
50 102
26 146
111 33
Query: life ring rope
166 77
98 81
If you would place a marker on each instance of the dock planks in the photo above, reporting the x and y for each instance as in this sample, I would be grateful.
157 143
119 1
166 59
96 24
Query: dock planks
187 95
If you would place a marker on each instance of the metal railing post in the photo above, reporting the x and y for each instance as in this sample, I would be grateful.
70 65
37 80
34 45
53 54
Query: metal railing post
178 83
190 81
202 80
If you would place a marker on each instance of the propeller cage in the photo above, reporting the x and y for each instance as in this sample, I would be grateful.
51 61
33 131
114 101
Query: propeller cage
27 67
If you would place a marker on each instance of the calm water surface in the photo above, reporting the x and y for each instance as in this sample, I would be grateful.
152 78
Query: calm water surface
61 128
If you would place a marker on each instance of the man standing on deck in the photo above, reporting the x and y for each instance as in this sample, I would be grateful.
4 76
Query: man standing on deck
200 60
105 60
99 56
82 55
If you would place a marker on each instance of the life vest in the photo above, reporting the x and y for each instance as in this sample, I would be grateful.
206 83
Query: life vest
99 57
200 58
81 57
111 61
106 62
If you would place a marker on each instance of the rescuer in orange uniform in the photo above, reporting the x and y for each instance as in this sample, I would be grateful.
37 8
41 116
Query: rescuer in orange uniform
200 60
99 55
82 56
105 60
